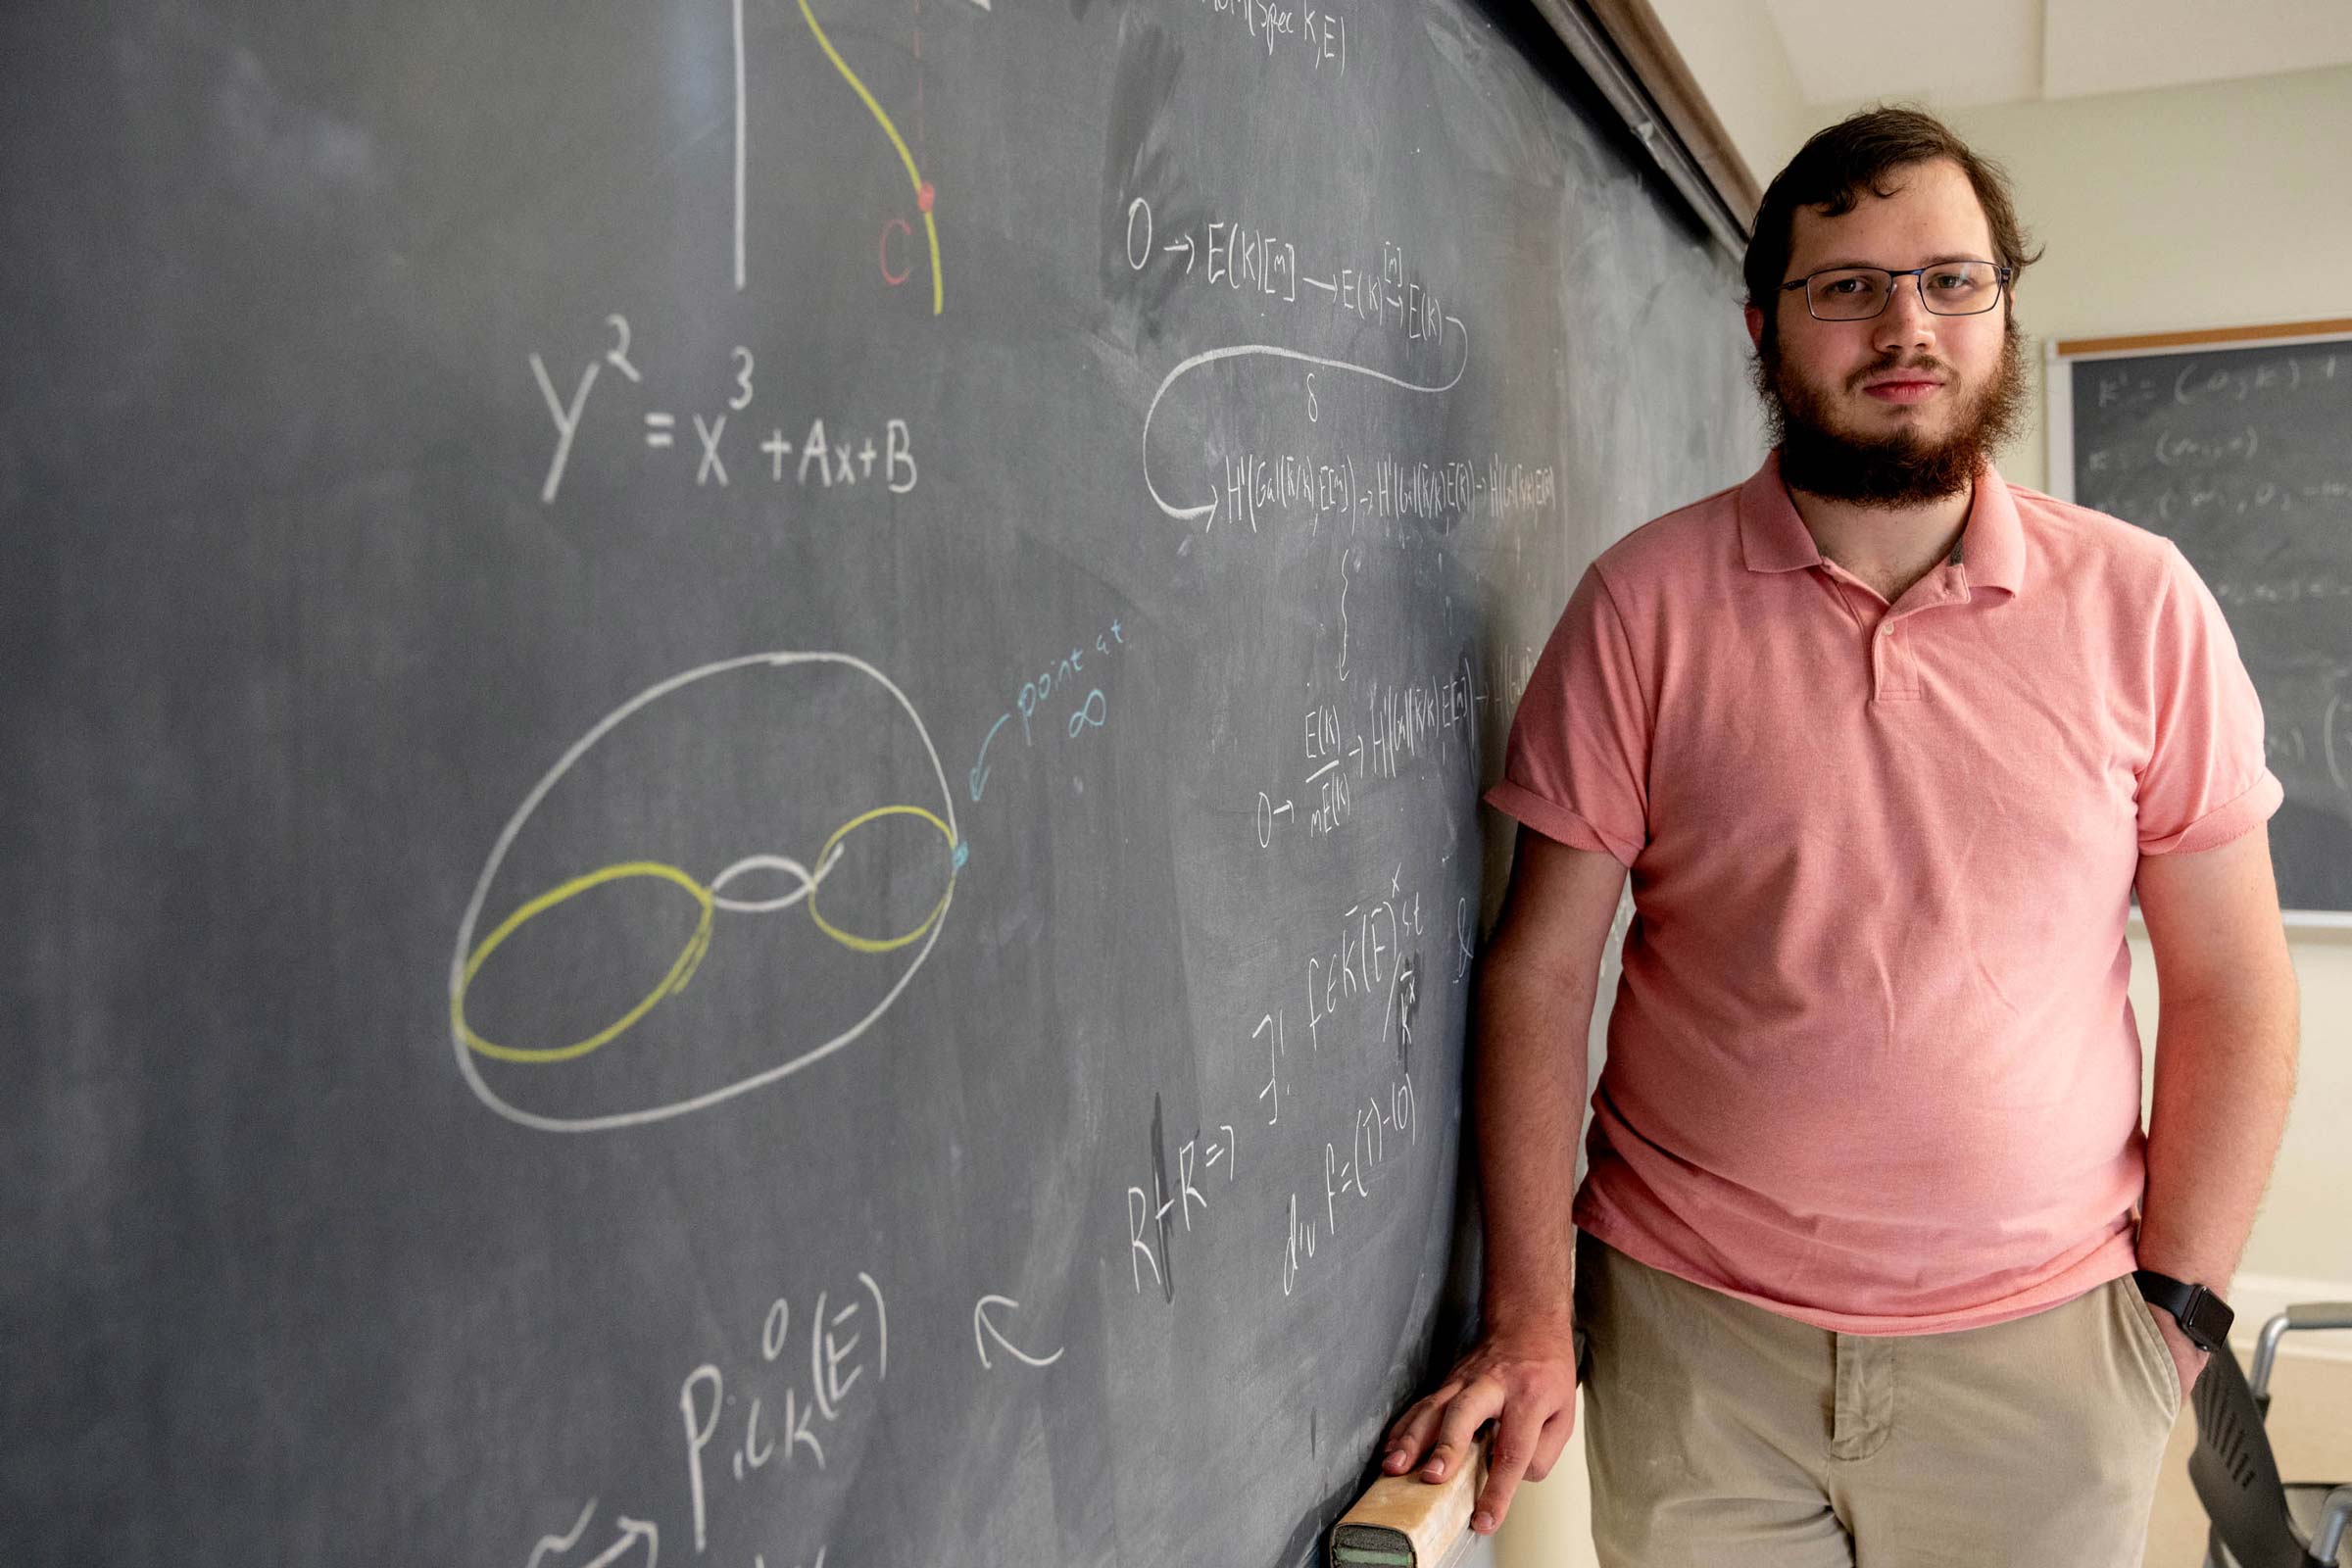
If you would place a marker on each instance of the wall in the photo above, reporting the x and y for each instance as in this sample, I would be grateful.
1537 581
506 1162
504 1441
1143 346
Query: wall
2214 206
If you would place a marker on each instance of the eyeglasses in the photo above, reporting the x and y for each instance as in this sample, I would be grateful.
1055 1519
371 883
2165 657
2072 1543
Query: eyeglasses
1858 293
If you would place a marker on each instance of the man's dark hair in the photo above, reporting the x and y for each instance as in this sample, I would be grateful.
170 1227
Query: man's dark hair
1859 153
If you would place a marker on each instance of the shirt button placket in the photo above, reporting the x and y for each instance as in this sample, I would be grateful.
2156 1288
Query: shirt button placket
1901 667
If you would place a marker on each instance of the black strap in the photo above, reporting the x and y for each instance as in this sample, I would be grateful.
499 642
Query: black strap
2202 1316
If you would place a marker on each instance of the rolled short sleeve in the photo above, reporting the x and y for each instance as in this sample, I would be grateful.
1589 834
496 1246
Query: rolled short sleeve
2206 780
1576 765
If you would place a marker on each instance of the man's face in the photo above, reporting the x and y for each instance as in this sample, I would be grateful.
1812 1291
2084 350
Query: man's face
1900 410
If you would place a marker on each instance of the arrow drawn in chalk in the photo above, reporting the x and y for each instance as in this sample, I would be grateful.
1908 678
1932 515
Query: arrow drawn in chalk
1208 509
565 1542
633 1531
979 778
981 1321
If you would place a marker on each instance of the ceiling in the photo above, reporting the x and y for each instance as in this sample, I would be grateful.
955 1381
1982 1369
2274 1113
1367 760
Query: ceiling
2012 51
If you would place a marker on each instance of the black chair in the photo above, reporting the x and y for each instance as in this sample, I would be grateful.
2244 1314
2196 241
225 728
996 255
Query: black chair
2260 1521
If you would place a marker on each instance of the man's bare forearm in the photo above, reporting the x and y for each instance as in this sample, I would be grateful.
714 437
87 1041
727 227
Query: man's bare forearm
2224 1075
1533 1023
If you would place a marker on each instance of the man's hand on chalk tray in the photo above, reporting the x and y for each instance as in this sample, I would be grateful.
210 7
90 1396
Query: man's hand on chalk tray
1524 1379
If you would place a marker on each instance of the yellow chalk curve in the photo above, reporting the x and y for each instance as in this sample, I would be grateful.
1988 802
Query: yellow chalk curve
674 981
913 176
882 944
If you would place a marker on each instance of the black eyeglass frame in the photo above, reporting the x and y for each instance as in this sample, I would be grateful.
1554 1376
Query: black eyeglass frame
2001 273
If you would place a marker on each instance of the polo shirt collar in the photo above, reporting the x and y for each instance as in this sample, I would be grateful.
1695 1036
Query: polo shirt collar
1773 538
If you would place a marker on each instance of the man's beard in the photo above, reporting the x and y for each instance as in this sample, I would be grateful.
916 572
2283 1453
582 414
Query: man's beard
1901 469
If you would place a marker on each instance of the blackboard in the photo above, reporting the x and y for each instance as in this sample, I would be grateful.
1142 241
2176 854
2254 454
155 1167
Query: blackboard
2242 454
742 750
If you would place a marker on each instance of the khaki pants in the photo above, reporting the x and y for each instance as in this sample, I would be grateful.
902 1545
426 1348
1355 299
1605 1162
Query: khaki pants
1719 1433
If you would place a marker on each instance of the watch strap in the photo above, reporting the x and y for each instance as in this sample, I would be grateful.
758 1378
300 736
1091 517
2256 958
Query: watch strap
2202 1316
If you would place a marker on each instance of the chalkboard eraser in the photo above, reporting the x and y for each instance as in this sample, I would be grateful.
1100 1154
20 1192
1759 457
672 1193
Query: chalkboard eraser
1405 1522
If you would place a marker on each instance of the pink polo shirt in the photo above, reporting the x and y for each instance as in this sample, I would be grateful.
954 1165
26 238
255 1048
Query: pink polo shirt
1871 1062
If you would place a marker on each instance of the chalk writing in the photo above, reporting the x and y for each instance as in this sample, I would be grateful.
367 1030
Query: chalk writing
2188 451
2319 585
727 1439
848 1334
2120 385
1383 730
1369 960
842 454
2213 383
1151 1231
1313 37
1382 1126
2221 496
1252 487
1364 995
1243 257
1060 679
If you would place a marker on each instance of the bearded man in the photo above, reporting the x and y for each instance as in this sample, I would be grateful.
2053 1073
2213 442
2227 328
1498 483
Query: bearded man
1873 1261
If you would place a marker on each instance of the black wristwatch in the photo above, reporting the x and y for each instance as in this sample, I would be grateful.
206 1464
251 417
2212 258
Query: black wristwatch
2202 1316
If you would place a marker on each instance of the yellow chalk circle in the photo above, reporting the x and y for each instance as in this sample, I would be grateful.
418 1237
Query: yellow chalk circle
679 972
824 858
697 945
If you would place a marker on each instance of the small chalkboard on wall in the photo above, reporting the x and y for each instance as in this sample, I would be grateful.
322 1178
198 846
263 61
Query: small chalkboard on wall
2236 444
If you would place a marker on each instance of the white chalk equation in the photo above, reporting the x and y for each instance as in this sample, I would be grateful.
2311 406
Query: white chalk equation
2122 385
845 1343
1382 730
1313 38
2286 590
2212 497
1373 960
1375 954
1150 1232
842 454
1347 1179
1254 487
1338 485
1259 263
1205 512
772 1425
1253 261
